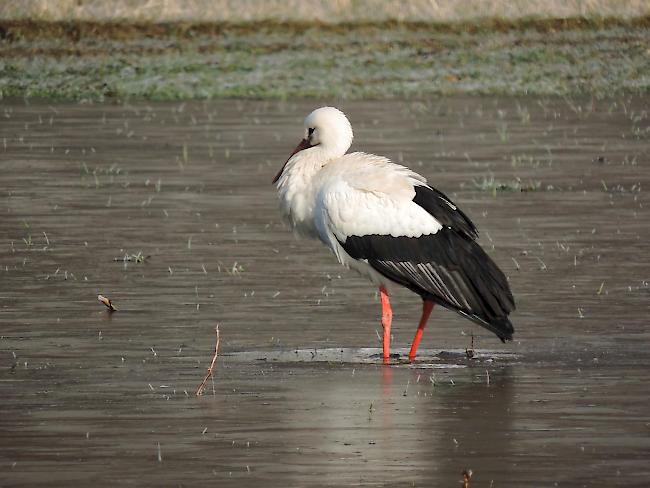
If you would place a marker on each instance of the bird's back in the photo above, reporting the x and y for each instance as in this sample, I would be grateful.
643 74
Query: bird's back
369 172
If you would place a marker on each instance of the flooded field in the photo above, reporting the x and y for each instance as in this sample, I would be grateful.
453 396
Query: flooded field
168 210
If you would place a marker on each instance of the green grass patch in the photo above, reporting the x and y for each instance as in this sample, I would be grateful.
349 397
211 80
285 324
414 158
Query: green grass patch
98 61
492 185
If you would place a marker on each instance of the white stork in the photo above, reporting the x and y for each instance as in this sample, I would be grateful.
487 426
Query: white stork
385 221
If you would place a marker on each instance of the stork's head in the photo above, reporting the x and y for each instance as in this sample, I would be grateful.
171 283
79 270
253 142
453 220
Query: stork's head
328 128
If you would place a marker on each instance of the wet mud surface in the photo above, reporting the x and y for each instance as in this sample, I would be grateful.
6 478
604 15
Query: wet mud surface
167 209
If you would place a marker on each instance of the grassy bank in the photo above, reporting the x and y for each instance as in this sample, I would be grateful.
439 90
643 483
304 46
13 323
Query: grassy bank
96 61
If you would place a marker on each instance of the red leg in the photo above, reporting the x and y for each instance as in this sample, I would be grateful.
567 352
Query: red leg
427 306
386 319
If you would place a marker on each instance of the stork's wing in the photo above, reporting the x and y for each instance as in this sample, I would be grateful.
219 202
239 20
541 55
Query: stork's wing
444 210
445 268
419 240
362 194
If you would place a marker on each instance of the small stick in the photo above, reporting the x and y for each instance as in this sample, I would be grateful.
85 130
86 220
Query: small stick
470 352
199 390
467 477
107 301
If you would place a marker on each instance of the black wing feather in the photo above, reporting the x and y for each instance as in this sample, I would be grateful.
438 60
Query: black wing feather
447 268
444 211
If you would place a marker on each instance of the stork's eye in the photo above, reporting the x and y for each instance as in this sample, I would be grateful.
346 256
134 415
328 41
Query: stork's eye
311 130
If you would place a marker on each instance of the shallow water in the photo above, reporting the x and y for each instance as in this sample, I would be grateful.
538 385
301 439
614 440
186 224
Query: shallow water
298 397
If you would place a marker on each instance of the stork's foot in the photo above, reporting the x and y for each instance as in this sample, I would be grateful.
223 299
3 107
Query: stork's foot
392 359
394 356
414 346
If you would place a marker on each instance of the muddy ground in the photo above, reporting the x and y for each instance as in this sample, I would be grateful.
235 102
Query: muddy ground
167 208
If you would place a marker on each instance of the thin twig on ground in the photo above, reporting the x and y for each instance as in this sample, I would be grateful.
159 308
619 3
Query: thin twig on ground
199 390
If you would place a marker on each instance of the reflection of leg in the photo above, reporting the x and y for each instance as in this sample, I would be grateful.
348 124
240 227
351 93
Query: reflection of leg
386 318
387 386
427 306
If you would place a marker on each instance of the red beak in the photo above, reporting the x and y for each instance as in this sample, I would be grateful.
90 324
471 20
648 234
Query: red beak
304 144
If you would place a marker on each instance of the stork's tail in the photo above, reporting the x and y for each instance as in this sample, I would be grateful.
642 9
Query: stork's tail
502 327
